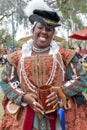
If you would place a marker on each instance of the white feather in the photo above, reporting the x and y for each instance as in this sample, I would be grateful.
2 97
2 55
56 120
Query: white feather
35 4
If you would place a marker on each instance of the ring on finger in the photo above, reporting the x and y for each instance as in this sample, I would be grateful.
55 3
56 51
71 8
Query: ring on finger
34 103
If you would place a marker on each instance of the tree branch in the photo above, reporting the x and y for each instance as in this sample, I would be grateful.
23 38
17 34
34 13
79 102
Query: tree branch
6 15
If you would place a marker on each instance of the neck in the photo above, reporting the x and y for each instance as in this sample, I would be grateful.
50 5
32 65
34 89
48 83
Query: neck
40 50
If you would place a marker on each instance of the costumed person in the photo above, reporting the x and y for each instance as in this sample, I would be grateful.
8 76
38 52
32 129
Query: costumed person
43 67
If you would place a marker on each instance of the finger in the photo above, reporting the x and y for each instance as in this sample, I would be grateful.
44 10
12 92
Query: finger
34 103
38 110
37 107
52 98
52 102
55 106
40 106
52 94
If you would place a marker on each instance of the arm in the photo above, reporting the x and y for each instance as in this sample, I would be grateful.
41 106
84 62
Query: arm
12 90
10 84
76 78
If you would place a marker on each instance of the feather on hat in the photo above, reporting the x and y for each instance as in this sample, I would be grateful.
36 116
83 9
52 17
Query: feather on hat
39 11
35 4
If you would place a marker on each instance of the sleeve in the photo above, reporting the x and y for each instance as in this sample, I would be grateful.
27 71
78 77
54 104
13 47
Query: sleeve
76 78
10 84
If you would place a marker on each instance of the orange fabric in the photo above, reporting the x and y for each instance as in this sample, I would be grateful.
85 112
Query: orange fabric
76 117
14 58
67 54
9 123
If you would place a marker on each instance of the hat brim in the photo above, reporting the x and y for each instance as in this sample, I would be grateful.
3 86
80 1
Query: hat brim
37 18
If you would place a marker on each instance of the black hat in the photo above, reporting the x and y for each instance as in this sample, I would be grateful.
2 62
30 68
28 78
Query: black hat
48 18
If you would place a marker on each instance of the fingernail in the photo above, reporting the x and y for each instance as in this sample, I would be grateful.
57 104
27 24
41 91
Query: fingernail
47 101
48 104
42 113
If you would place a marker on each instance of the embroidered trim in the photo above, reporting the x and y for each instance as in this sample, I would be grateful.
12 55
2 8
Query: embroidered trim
15 86
27 50
51 77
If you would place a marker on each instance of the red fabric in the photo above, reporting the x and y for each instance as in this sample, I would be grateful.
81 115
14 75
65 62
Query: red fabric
52 120
28 123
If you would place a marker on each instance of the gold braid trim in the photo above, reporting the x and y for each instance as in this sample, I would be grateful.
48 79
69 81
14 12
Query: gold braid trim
50 22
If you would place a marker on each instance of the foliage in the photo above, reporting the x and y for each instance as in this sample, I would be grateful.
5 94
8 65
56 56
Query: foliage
18 44
7 7
64 44
68 10
71 12
5 37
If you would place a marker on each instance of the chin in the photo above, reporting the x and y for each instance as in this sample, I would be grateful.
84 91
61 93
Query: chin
43 45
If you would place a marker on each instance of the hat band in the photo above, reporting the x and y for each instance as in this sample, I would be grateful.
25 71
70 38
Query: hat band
50 22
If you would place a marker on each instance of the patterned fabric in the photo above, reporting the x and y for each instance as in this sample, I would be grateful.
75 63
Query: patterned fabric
9 123
76 116
14 58
6 78
73 82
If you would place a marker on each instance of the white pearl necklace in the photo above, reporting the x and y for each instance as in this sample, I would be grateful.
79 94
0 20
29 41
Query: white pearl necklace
39 50
30 85
27 50
27 81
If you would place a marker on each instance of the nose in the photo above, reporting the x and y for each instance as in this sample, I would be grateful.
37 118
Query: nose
44 30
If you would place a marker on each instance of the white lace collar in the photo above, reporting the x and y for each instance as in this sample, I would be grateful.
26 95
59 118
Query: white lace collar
27 48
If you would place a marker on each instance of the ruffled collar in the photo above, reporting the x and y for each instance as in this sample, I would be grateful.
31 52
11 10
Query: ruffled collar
27 48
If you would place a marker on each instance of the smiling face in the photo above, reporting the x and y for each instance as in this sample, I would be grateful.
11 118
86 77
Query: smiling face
42 36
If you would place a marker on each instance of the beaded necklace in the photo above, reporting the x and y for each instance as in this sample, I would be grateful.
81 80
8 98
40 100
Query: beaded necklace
40 50
30 85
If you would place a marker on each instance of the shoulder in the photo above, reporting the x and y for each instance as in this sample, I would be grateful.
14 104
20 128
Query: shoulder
14 58
67 54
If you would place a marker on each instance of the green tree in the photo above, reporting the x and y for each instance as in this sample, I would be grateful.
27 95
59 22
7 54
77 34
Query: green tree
5 38
70 10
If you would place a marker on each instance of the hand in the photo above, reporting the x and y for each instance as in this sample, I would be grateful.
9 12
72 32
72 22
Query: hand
37 107
32 99
52 99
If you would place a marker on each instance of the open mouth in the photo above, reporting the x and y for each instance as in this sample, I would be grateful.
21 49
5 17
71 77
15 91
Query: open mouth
42 38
